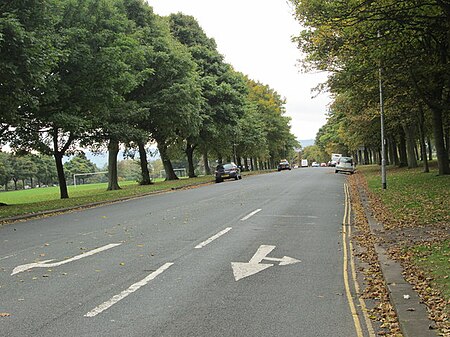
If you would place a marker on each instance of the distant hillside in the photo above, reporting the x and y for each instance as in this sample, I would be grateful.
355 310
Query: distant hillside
306 142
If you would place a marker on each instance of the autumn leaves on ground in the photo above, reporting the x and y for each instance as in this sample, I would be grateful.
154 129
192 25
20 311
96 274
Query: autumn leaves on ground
414 211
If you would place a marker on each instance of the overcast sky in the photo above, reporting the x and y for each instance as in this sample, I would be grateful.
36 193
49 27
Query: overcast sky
255 38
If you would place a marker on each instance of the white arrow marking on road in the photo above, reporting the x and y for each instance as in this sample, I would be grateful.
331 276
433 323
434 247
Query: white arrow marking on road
284 261
244 269
46 264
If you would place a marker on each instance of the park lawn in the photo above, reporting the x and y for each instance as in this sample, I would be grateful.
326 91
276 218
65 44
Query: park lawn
46 199
417 198
411 195
435 260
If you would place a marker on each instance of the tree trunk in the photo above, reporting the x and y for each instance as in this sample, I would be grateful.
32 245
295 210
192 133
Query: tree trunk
423 148
239 161
15 184
190 148
170 173
63 193
58 155
402 149
410 146
396 160
113 151
366 156
430 149
441 151
206 163
145 174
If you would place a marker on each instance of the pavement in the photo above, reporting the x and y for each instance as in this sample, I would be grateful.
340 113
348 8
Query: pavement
411 312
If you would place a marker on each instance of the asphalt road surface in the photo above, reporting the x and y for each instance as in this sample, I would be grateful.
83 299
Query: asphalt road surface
262 256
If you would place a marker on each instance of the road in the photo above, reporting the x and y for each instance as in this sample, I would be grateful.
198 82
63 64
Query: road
263 256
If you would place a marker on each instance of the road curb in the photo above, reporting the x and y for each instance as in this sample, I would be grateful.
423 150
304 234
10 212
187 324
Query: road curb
411 312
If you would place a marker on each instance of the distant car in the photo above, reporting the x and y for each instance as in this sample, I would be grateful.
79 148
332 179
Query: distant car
323 164
284 165
315 164
345 164
227 171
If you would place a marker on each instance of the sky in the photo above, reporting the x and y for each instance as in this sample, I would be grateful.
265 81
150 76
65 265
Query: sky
254 36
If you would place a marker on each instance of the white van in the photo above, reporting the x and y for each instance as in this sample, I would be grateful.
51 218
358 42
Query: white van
304 163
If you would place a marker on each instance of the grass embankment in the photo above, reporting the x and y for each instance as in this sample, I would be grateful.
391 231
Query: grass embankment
417 209
46 199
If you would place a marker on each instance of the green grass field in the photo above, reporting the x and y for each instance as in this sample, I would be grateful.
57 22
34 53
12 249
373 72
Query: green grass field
435 259
45 199
24 202
411 195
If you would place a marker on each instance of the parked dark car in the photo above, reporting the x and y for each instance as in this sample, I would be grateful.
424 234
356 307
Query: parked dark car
284 165
227 171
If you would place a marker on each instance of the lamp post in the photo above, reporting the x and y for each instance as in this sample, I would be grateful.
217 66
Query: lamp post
383 141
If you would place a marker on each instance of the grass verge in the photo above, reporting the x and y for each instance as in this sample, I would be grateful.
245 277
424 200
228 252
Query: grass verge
434 258
37 200
412 197
415 211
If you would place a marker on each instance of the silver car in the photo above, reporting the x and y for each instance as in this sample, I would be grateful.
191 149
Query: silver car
345 164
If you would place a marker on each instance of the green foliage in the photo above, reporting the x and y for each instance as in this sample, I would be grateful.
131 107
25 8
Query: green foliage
80 164
409 41
6 172
315 153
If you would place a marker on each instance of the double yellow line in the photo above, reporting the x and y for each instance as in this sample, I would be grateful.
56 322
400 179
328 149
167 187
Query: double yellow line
346 241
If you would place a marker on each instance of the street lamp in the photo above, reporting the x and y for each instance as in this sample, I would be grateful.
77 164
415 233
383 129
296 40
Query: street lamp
383 141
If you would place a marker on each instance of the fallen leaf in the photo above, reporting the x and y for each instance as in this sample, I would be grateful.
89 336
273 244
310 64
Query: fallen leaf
5 314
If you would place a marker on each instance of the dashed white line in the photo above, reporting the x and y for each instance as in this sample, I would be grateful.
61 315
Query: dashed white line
212 238
251 214
106 305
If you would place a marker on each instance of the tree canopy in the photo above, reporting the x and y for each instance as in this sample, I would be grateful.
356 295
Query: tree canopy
94 74
408 41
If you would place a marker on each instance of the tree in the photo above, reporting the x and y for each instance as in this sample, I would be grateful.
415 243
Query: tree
170 98
270 107
409 40
27 53
46 171
223 89
5 169
80 164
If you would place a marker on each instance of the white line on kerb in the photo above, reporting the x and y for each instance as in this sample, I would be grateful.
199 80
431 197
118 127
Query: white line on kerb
106 305
251 214
212 238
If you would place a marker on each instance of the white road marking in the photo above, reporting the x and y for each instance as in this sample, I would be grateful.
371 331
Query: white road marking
251 214
212 238
46 264
261 253
6 257
291 216
245 269
106 305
